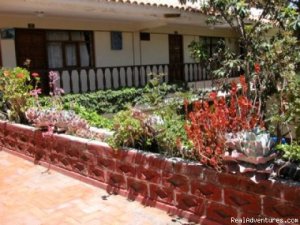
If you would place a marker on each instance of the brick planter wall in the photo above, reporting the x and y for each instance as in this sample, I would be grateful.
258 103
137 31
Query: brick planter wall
179 187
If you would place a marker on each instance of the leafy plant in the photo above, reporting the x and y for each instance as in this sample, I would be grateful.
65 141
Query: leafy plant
291 152
198 51
15 90
132 130
211 119
171 137
93 118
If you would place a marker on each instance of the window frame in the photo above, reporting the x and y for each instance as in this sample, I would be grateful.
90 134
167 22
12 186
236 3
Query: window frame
77 43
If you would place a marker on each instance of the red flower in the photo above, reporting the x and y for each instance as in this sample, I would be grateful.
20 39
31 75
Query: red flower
20 75
35 75
243 83
257 68
213 95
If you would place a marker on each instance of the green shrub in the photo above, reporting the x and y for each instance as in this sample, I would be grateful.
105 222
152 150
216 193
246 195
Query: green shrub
291 152
93 118
112 101
131 130
15 90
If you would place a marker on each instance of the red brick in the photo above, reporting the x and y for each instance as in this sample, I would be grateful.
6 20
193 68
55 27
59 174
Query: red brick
2 128
241 183
30 150
161 194
87 158
45 142
220 213
22 147
115 180
155 162
75 148
176 181
136 187
243 201
109 153
280 209
125 168
182 167
206 190
190 203
264 187
40 154
291 194
10 144
54 158
95 148
211 175
148 175
2 141
65 163
209 222
96 173
106 163
79 167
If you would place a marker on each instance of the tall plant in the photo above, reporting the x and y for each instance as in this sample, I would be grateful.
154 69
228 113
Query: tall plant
270 51
15 87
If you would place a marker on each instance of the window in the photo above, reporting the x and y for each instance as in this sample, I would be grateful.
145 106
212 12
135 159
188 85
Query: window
116 40
67 49
212 44
144 36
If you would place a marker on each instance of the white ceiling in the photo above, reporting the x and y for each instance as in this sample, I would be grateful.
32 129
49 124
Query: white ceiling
100 9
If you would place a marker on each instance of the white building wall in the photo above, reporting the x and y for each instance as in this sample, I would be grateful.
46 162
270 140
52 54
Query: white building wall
105 56
8 50
187 39
155 51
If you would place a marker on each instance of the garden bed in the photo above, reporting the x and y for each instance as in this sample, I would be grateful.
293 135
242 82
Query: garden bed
177 186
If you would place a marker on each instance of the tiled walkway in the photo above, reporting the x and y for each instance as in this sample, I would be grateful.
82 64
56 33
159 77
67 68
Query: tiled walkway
29 196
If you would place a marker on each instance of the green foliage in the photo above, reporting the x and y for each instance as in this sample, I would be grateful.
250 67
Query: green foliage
155 91
171 138
93 118
198 51
109 101
15 91
130 131
291 152
113 101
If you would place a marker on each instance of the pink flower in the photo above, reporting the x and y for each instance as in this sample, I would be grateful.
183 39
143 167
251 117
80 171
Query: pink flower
36 92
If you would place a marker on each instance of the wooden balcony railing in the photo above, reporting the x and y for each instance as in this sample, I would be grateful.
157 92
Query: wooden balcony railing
89 79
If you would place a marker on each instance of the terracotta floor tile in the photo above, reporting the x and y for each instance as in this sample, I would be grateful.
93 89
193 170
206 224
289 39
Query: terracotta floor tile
29 196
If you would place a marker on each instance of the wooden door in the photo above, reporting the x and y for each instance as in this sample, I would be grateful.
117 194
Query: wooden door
31 44
175 58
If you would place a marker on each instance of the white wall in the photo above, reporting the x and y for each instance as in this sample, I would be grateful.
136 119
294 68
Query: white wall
155 51
104 56
187 39
8 53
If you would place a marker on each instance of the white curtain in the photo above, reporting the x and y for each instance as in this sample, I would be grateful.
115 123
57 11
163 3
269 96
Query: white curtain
55 57
84 55
71 58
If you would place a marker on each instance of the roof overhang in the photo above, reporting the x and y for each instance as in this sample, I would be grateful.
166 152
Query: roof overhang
146 14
